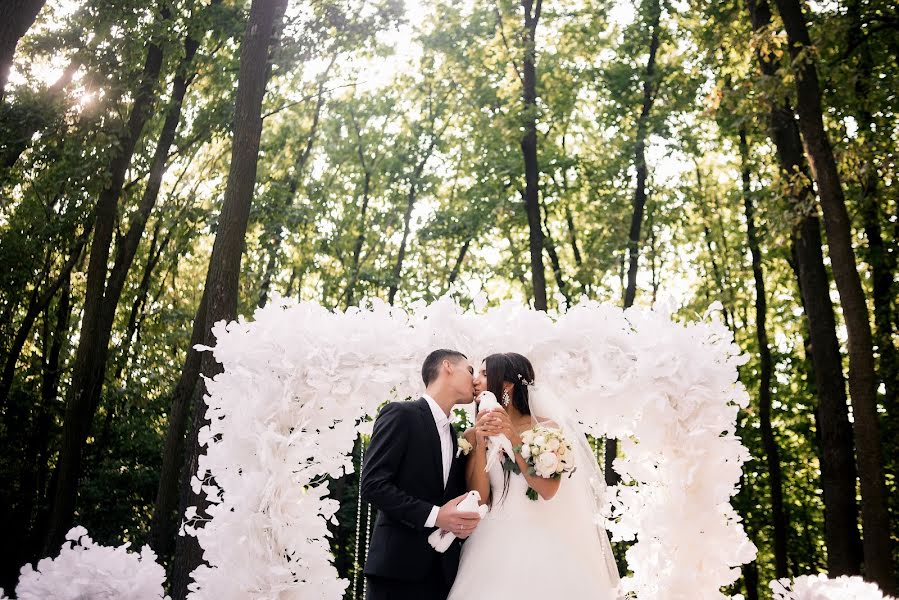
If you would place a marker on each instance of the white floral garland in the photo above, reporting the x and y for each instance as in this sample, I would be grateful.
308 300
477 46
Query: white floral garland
819 587
299 378
85 569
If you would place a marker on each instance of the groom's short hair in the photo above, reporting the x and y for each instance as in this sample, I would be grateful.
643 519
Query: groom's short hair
430 370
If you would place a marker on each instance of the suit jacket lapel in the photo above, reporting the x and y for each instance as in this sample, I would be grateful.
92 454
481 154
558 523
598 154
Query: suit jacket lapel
430 429
456 461
455 439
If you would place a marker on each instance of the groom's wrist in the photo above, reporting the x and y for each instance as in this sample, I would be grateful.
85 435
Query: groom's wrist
432 518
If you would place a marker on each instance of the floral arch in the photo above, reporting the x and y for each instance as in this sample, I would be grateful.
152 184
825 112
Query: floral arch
298 380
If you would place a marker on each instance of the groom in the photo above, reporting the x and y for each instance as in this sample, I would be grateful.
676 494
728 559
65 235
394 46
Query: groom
412 476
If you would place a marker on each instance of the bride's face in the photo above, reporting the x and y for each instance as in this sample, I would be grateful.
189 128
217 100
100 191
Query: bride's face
480 379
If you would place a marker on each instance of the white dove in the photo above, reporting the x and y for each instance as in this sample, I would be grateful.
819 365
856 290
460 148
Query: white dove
496 444
440 539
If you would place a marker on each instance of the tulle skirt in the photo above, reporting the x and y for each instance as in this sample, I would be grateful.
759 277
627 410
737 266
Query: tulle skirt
526 550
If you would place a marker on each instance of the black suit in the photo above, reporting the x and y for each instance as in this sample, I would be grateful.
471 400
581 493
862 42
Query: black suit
403 478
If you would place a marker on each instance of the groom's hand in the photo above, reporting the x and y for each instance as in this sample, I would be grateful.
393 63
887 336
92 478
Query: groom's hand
461 523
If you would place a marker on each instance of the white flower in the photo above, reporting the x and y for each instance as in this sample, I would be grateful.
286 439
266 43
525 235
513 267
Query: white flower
525 451
547 463
85 569
820 587
464 446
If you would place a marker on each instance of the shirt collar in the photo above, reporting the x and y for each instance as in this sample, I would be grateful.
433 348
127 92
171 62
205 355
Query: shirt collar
439 416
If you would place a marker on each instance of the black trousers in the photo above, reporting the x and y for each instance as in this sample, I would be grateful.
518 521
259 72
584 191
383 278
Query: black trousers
432 587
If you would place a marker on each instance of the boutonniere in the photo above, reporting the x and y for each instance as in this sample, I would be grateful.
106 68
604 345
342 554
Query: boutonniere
462 446
461 423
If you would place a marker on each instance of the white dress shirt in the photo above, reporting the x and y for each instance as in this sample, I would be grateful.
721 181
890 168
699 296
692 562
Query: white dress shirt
446 449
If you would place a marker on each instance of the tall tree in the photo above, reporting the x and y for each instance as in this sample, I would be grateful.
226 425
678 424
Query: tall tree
274 230
90 357
223 276
871 201
862 377
838 471
528 77
16 18
650 87
370 158
772 453
649 82
38 301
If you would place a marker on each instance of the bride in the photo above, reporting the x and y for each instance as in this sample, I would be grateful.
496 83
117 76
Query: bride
554 542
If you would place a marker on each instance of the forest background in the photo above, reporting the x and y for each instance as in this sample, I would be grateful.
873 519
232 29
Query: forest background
168 164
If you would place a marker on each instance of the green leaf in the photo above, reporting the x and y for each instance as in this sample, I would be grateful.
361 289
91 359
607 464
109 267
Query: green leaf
511 466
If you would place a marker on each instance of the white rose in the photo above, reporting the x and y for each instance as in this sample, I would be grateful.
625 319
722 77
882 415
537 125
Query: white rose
553 444
525 451
539 440
464 446
547 463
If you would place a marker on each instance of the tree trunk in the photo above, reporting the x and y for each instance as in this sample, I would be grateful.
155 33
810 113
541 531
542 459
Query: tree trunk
529 151
93 343
743 502
655 265
713 252
457 266
639 204
223 277
838 471
37 304
127 245
411 197
367 169
572 236
154 254
350 291
862 378
22 546
164 523
769 442
274 235
16 18
881 260
550 246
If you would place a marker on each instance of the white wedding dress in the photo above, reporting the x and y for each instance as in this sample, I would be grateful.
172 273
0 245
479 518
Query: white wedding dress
535 550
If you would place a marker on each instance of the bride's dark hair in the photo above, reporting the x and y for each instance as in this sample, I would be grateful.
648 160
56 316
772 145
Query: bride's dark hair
510 367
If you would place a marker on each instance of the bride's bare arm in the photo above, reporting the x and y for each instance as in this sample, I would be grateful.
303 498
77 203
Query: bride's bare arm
475 475
547 488
501 423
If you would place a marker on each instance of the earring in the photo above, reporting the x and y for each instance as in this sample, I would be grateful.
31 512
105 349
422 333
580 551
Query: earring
506 398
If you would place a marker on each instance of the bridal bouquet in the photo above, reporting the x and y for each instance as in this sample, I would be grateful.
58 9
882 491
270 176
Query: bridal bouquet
547 453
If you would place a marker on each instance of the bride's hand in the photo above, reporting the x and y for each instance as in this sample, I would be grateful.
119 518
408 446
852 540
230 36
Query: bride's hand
484 427
501 424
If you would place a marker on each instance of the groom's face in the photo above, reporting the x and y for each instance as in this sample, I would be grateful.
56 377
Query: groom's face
460 377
